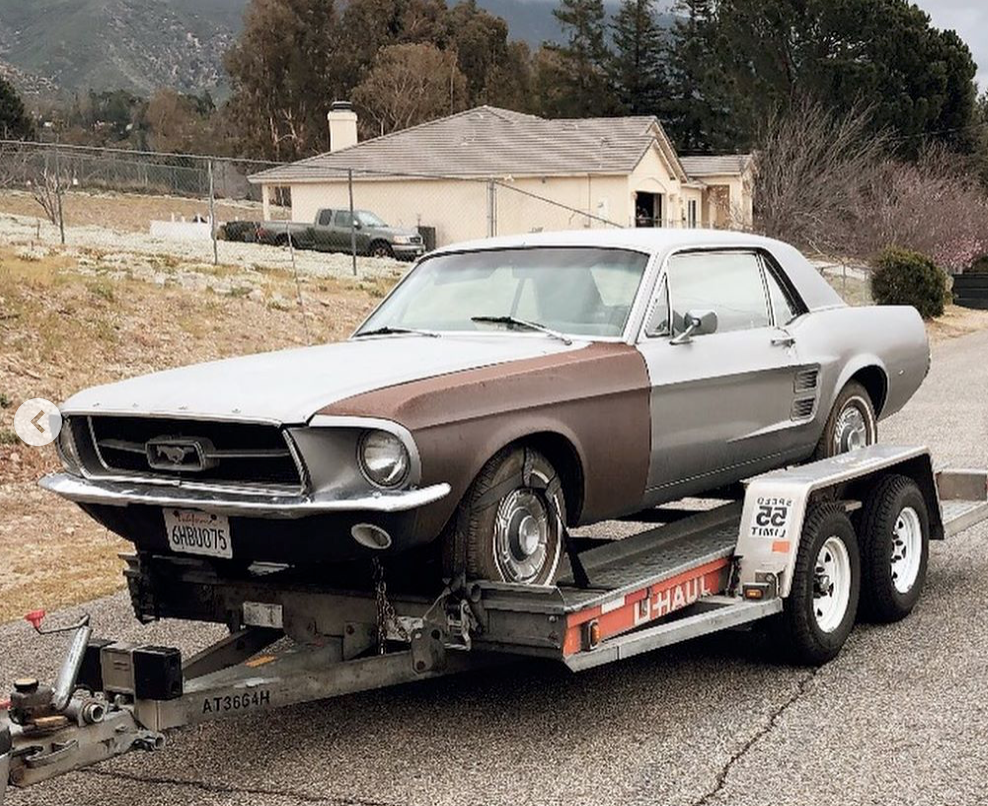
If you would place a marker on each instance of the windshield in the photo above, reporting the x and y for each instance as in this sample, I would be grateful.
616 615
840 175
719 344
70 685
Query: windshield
369 219
582 291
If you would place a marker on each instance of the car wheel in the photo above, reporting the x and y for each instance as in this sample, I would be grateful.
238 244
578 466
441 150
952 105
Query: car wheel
509 526
895 546
851 425
819 614
381 249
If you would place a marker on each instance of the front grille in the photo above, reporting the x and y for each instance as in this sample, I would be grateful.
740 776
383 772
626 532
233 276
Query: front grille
416 239
245 454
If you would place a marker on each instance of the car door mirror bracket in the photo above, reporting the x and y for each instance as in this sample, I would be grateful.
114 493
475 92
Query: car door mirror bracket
698 323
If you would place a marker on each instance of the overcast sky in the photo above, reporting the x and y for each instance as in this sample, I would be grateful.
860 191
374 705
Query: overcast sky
970 19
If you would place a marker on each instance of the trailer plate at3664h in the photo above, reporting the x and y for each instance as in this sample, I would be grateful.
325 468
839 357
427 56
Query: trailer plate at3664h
787 551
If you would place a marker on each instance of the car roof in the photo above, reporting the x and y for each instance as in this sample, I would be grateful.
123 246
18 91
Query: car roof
815 291
643 239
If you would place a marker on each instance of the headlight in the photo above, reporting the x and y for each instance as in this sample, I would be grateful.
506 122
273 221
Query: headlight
67 450
383 458
402 239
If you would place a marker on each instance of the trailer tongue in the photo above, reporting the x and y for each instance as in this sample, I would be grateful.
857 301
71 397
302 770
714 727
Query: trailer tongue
788 550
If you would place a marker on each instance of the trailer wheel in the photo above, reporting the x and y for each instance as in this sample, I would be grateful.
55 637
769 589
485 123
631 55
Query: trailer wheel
895 549
819 614
509 526
852 423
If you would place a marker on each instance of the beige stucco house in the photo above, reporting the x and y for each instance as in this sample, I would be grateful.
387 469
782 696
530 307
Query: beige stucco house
491 171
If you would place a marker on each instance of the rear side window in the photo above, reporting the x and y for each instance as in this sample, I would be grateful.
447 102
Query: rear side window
325 218
781 305
728 283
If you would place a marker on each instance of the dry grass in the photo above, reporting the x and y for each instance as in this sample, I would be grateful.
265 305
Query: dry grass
127 212
62 330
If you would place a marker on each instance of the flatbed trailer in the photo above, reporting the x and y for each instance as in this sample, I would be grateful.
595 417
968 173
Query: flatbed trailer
295 640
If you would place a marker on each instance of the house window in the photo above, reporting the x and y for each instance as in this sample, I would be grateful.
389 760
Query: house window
692 214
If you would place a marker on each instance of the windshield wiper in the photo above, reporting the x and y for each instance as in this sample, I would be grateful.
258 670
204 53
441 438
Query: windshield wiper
511 320
392 331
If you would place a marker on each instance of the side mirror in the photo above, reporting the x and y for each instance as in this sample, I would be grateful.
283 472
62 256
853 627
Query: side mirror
698 323
357 225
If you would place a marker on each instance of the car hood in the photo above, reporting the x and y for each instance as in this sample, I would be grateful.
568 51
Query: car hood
390 232
289 386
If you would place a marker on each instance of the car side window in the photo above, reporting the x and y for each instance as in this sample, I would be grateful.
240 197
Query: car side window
325 218
343 218
781 304
658 321
728 283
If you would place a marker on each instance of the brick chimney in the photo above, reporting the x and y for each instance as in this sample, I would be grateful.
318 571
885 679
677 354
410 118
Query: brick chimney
342 125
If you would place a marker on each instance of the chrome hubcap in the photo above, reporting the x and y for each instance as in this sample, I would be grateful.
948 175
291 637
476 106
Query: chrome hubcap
521 536
907 550
851 431
831 584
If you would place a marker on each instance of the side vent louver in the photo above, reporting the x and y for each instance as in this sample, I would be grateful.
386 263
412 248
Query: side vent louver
802 408
806 380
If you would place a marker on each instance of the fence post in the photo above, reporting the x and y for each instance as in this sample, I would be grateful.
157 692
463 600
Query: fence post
212 213
491 208
353 222
58 194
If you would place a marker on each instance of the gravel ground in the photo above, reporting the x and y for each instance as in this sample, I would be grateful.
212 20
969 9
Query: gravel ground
18 229
898 718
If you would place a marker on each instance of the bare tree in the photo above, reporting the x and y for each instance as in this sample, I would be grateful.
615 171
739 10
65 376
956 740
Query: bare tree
813 171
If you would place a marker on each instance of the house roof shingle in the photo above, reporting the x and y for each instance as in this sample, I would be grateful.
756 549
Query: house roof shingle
716 166
488 141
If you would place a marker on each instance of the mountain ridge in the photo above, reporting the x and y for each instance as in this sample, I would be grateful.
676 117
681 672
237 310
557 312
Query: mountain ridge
66 46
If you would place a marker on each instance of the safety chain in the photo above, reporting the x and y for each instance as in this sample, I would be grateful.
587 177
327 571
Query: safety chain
386 614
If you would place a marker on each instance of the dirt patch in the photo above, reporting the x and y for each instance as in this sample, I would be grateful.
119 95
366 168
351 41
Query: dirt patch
955 322
129 212
66 326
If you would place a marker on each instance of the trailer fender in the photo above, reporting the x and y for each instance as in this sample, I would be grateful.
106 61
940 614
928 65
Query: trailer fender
776 503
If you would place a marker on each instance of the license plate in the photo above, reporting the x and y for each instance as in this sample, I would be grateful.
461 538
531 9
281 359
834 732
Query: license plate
193 532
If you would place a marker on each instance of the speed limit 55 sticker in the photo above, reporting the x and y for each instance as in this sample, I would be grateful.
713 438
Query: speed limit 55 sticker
772 517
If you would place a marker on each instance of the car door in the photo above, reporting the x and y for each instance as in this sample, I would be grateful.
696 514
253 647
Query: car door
343 232
722 403
322 232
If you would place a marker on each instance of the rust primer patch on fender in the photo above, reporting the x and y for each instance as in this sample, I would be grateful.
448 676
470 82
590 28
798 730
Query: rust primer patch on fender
597 397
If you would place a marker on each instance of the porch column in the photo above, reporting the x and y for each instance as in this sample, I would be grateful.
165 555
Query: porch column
266 202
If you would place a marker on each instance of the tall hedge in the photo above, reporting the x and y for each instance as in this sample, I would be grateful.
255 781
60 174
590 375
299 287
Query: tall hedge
903 277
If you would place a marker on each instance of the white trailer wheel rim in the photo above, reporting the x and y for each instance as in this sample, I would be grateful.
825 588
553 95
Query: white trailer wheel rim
831 584
907 549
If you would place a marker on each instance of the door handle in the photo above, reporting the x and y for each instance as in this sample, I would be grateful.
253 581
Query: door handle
783 341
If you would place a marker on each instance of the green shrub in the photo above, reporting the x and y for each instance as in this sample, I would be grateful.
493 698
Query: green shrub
980 266
902 277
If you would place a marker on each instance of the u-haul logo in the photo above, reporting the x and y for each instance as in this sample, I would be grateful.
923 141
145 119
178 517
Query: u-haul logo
663 602
772 516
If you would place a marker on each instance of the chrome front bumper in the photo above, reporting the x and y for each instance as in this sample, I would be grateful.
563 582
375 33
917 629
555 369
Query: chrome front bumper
117 493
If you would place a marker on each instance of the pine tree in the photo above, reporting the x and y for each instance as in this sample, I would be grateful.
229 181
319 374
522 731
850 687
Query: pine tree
583 86
697 111
638 71
14 121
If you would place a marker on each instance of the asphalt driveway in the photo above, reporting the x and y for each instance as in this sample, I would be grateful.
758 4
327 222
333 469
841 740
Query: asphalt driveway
899 718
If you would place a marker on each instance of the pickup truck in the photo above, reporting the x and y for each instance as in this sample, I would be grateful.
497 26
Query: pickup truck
332 231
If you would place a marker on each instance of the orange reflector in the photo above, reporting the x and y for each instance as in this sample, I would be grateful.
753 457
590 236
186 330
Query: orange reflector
754 593
781 546
593 634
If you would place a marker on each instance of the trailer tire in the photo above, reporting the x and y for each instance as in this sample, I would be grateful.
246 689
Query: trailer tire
895 548
509 525
819 614
852 423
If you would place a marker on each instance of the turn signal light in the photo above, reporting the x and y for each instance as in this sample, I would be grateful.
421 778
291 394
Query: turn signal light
592 635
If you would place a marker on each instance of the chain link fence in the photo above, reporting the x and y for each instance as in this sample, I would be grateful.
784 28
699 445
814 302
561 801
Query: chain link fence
152 211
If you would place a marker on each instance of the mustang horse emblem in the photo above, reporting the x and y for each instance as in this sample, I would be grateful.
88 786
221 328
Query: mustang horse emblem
174 453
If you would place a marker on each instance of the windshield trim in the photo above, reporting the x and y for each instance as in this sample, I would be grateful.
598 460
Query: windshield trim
627 334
